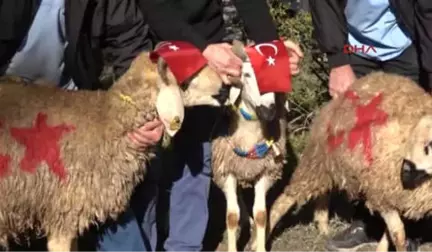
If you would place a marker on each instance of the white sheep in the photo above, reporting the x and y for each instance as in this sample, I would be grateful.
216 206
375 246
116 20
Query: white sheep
251 152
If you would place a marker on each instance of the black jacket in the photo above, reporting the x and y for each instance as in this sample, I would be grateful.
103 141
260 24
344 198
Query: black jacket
94 30
201 22
330 28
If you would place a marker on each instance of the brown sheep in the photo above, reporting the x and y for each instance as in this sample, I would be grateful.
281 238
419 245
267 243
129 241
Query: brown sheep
250 125
359 143
65 159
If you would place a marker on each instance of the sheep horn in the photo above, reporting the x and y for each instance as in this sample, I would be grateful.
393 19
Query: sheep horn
238 49
162 68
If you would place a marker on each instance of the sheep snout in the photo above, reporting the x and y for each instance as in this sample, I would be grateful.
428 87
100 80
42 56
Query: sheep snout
266 113
411 176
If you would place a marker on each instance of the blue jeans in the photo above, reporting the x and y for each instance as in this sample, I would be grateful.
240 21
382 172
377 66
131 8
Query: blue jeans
135 229
188 213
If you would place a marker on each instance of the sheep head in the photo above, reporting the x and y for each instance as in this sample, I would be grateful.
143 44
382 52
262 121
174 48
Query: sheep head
202 89
417 163
264 105
169 101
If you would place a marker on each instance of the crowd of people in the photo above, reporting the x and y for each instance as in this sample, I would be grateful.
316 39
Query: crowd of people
66 42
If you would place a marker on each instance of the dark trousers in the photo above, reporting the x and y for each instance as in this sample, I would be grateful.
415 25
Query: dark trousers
191 180
135 229
407 64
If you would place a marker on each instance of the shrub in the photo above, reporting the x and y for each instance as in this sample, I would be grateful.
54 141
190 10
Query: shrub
310 86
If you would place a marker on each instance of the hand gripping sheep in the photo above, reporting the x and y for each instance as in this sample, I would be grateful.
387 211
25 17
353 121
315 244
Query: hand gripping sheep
252 151
65 159
360 143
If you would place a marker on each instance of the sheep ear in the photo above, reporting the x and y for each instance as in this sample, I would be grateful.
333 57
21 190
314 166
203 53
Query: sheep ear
234 94
166 76
239 50
162 68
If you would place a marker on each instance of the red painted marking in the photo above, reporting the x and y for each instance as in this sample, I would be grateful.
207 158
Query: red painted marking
41 142
335 140
366 116
4 165
4 161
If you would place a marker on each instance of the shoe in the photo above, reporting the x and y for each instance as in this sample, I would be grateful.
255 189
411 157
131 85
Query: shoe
350 239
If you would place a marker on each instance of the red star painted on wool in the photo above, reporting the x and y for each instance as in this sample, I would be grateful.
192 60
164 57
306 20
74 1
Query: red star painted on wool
366 116
4 162
41 142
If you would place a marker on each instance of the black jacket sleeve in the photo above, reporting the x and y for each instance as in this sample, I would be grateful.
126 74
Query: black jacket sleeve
330 30
257 20
125 33
168 23
423 29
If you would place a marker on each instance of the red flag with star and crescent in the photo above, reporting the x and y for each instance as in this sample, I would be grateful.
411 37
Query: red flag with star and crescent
270 62
183 58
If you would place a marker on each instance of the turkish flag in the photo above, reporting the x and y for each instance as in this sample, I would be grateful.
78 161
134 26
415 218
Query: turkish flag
270 62
183 58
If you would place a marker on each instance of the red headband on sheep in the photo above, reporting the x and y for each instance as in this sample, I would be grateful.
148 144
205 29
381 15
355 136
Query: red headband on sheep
183 58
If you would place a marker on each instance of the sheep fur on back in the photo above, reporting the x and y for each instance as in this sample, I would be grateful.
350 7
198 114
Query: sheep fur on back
101 168
408 127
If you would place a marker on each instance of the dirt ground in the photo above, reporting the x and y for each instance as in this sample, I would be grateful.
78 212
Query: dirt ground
297 232
300 234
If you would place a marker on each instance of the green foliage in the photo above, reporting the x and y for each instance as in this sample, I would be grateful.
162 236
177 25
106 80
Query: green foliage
310 86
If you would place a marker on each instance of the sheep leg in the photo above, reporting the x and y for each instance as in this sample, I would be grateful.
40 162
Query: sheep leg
233 211
260 212
383 244
243 206
396 229
61 242
321 214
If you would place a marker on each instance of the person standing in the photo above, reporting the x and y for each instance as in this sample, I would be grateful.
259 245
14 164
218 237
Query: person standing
393 36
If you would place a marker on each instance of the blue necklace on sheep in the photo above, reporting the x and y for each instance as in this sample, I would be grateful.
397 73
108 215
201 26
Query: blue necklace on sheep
260 150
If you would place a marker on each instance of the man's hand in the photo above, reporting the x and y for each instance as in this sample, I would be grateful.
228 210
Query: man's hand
295 54
341 78
149 134
223 60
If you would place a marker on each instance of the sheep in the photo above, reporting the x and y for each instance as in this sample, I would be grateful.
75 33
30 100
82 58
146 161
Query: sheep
65 159
256 119
388 122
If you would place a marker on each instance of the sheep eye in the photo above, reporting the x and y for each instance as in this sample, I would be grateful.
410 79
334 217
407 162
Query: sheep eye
247 75
426 149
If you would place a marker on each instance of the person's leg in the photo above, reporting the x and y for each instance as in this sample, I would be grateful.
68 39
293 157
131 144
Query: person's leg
135 230
188 214
122 235
145 200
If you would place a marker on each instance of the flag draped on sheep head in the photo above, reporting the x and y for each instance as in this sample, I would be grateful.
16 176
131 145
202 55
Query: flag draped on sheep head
183 58
270 62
